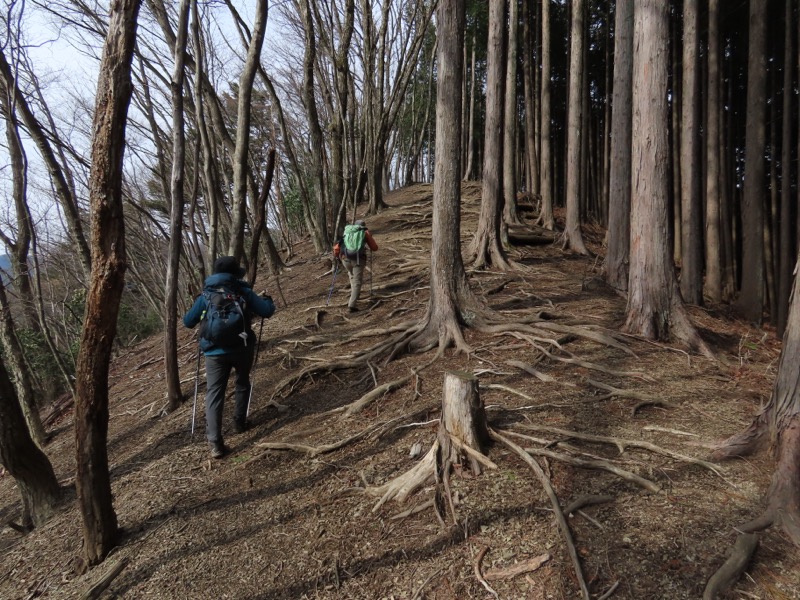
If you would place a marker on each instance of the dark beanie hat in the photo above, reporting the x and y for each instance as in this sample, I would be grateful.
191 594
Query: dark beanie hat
228 264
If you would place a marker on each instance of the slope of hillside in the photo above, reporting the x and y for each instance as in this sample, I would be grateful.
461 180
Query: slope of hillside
267 523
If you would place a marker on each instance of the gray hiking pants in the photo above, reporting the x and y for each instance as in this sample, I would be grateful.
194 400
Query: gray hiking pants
218 371
355 271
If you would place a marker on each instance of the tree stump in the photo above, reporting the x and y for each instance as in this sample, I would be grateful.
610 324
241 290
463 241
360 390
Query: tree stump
463 423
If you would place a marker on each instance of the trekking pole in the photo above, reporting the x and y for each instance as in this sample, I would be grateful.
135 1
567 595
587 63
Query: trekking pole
196 384
370 273
335 270
255 361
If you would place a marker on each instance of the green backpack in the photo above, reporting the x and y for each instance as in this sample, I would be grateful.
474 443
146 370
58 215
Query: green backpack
355 236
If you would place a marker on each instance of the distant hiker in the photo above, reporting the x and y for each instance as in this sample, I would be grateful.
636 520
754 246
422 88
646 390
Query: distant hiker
227 341
351 249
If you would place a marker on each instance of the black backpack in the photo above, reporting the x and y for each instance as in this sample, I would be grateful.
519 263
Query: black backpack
225 322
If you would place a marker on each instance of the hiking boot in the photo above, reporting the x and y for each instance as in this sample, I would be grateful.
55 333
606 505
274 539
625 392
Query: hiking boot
352 309
240 426
218 450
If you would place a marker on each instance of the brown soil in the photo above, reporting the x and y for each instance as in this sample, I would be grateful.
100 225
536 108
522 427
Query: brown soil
277 524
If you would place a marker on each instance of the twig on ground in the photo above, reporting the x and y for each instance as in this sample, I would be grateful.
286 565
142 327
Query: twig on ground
524 567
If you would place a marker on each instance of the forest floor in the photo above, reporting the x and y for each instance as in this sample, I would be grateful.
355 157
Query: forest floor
268 524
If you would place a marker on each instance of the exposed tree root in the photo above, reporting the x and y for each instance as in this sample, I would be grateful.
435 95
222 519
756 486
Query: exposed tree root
406 484
525 566
730 571
584 501
592 464
536 373
646 399
379 391
476 568
317 450
622 444
560 519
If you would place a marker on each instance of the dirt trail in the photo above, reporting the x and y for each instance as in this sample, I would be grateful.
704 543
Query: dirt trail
269 524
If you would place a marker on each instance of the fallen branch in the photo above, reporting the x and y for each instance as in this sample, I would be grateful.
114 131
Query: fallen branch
518 569
379 391
730 571
560 519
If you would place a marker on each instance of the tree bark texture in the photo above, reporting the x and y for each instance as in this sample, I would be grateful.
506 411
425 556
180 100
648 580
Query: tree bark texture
654 309
691 217
546 168
463 417
617 257
510 116
243 118
486 246
751 295
26 463
573 239
107 279
786 241
171 369
713 278
449 288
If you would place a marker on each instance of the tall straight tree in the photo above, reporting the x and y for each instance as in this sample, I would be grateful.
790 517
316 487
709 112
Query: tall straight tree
655 309
784 269
486 247
573 239
546 167
691 218
510 116
751 295
243 117
174 394
529 82
713 279
93 481
450 293
619 208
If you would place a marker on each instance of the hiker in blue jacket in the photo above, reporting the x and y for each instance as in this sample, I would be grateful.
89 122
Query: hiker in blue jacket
228 342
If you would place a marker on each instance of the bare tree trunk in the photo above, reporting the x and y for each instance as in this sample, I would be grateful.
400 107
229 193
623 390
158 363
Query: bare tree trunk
691 219
93 482
655 309
67 199
573 239
22 379
450 293
786 242
20 247
511 117
546 216
260 225
171 368
471 125
617 257
243 117
751 295
529 78
778 422
27 464
486 248
713 279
